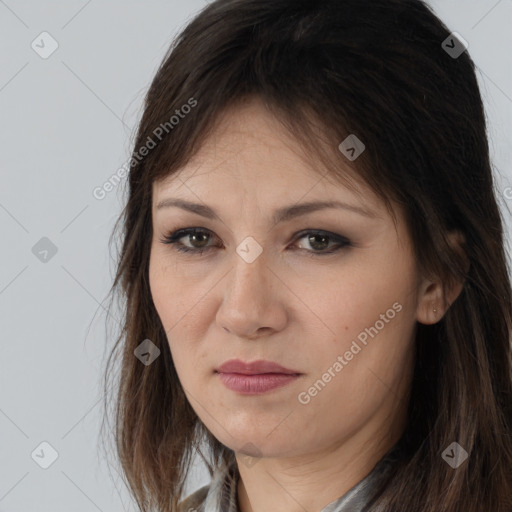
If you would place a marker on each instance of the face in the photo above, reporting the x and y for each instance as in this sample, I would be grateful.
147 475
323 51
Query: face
330 294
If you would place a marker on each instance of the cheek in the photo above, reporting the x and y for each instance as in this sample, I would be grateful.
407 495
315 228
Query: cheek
373 319
181 309
169 291
161 294
352 305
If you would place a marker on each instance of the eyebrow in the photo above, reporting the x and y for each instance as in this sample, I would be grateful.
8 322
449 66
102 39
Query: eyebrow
280 215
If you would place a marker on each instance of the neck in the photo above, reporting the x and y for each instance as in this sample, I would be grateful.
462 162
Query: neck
310 481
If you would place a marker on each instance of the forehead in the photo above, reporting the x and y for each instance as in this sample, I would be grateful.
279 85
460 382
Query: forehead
249 148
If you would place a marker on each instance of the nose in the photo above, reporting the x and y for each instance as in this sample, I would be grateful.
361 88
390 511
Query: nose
253 299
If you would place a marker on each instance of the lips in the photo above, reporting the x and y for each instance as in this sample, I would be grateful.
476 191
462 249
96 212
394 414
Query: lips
255 378
254 368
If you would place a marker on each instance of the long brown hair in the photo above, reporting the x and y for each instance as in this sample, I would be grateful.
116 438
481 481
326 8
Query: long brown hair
327 69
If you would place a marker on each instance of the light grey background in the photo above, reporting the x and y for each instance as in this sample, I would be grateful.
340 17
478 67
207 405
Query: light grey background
66 124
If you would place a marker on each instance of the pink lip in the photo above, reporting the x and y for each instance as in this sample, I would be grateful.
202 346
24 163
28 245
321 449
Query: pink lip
254 368
256 377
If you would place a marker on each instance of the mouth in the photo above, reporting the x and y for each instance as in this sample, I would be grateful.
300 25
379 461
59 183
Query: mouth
255 378
256 384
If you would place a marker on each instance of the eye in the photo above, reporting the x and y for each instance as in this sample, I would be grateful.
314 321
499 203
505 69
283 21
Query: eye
320 240
199 237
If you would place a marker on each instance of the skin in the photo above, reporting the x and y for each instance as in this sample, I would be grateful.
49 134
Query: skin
301 312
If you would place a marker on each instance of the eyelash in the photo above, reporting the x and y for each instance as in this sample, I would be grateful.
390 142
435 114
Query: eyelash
173 239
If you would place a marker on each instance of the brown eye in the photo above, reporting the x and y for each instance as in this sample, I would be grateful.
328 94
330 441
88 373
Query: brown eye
319 242
197 237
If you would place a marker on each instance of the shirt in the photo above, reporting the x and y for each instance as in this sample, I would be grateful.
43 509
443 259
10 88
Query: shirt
221 494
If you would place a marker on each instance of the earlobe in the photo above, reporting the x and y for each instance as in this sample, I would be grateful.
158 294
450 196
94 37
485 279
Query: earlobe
437 297
432 307
430 304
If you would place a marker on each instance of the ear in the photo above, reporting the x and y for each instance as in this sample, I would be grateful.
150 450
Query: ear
430 293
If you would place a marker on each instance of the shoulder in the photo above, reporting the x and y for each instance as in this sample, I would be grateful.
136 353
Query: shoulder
194 502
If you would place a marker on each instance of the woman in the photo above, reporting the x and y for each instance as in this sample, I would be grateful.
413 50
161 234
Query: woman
317 295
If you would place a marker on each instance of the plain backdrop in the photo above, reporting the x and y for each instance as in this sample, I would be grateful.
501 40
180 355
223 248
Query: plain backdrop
66 125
